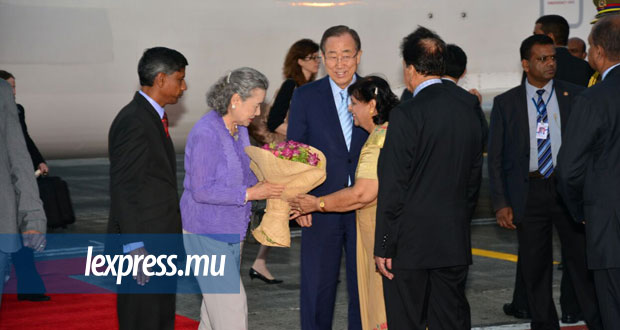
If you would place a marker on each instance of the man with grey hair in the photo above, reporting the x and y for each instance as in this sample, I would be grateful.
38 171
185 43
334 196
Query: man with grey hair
319 117
143 183
21 210
587 170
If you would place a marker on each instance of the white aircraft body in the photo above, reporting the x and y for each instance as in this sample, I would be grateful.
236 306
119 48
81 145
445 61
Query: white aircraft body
75 60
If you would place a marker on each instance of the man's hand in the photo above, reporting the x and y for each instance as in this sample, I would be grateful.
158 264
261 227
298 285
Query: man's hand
383 264
504 218
476 93
34 239
44 169
304 220
140 278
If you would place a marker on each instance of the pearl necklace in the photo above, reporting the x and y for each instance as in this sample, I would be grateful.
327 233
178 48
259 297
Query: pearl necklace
235 135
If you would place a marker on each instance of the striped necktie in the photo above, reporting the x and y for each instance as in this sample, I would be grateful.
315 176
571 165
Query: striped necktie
545 157
164 121
346 120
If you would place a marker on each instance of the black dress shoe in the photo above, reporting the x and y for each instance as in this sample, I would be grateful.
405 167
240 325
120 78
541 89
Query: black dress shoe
509 309
254 274
571 318
33 297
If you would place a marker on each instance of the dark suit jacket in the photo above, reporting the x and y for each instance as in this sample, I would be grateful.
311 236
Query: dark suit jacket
509 145
572 69
36 156
588 172
473 104
429 170
143 184
313 119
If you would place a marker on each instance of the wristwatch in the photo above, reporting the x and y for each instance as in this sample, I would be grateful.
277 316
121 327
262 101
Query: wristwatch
321 204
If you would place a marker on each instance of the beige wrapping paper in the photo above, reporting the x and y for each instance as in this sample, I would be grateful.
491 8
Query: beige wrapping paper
298 178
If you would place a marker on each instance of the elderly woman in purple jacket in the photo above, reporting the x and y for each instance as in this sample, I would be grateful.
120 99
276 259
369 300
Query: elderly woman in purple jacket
218 187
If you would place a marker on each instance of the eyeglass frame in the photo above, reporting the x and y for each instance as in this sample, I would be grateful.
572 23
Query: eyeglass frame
342 58
316 58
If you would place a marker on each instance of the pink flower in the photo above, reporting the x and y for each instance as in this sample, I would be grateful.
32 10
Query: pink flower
288 153
293 150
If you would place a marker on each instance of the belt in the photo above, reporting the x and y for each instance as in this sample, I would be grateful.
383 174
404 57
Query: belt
537 175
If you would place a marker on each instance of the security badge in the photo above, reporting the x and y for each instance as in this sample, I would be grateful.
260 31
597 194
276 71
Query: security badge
542 131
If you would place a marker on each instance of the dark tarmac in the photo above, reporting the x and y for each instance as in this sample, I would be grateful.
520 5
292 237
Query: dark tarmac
489 285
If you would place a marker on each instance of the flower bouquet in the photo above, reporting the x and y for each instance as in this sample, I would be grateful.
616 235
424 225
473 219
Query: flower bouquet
300 168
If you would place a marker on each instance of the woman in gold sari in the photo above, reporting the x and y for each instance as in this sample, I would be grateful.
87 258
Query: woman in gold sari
371 102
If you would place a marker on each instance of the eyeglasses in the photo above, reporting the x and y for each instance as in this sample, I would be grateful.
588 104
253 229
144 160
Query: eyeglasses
343 58
312 58
545 58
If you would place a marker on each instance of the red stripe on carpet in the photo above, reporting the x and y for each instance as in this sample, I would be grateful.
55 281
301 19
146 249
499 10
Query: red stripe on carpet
68 311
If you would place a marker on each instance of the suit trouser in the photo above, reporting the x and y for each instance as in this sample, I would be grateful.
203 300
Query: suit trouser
143 310
607 282
544 209
28 279
415 299
568 298
321 251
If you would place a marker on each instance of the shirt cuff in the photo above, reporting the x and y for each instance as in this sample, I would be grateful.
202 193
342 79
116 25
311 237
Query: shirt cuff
132 246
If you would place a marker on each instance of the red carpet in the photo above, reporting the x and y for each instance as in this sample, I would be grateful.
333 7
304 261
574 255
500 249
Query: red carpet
68 311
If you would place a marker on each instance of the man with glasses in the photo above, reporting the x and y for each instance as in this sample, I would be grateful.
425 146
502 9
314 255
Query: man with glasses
319 117
525 137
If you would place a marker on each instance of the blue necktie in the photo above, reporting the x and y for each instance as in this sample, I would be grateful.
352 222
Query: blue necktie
346 119
545 157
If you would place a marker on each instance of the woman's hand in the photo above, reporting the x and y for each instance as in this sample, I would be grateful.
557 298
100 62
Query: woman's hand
304 203
264 190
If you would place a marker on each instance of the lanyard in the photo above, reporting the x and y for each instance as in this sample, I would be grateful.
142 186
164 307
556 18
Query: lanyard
544 105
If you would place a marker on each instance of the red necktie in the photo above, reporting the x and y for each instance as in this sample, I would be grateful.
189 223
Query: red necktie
164 120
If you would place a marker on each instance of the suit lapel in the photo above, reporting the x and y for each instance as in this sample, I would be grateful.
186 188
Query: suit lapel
330 113
156 120
564 100
521 117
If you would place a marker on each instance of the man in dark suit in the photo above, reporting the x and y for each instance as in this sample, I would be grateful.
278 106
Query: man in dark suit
429 174
569 68
525 136
30 286
143 185
319 117
587 169
576 71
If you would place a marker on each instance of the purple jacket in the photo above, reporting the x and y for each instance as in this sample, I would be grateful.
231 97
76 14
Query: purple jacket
217 173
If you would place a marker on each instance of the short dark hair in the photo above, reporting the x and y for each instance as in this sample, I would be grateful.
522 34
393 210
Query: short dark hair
338 30
557 26
581 43
5 75
375 88
159 59
456 61
529 42
605 34
425 51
